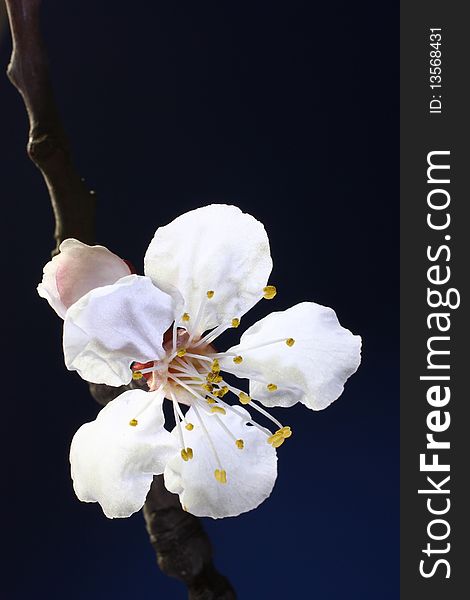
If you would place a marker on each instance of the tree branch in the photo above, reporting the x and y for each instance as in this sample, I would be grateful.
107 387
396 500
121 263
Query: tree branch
72 203
182 547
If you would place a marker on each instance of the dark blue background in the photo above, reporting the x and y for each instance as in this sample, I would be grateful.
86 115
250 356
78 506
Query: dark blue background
289 110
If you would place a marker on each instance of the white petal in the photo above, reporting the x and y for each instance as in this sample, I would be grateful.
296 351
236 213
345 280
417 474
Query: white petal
215 248
313 371
76 270
112 326
114 463
251 472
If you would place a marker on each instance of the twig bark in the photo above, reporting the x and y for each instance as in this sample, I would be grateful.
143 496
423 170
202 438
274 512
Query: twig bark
182 547
72 203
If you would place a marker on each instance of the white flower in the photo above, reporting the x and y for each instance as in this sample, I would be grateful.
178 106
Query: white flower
203 272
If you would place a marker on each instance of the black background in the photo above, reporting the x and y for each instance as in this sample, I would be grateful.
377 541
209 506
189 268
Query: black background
290 111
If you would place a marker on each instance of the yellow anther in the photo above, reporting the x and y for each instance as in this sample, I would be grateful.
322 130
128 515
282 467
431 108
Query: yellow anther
221 393
218 409
240 444
269 292
208 387
220 475
290 342
210 294
286 431
213 377
238 359
186 454
244 398
275 437
185 317
272 387
210 400
181 352
189 426
215 367
137 375
235 322
133 422
278 438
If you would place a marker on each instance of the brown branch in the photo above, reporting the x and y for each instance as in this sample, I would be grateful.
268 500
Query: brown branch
182 547
72 203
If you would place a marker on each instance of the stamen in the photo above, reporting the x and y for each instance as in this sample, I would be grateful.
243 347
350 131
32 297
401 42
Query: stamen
234 410
189 426
136 375
235 322
279 437
266 414
185 317
199 356
218 409
186 387
238 443
249 348
184 374
177 420
238 359
290 342
177 407
269 292
134 422
181 352
272 387
287 431
187 454
276 440
244 398
187 367
158 367
213 377
264 430
226 406
220 475
220 393
204 428
210 294
199 315
212 335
